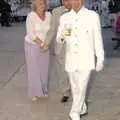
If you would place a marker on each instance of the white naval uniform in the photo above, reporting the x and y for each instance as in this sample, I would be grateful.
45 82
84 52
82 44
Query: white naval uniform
59 66
82 46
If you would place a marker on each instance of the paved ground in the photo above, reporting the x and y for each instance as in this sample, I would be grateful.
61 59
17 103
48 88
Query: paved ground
104 88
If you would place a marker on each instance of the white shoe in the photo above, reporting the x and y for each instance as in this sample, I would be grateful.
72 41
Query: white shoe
84 113
75 116
84 110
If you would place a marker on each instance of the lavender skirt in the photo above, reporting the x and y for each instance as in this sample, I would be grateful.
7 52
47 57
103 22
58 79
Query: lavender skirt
37 69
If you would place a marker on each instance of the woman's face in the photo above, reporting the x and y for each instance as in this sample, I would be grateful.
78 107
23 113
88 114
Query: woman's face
40 5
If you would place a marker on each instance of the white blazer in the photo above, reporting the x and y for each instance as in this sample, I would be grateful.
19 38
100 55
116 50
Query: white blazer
85 42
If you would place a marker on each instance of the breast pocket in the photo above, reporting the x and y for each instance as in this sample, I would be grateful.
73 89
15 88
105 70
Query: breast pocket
84 30
72 46
84 34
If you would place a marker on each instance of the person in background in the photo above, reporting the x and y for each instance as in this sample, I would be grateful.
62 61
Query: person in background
104 14
5 10
84 43
36 50
54 48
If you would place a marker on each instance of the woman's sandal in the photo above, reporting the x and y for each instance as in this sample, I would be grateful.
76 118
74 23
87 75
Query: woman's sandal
34 99
46 96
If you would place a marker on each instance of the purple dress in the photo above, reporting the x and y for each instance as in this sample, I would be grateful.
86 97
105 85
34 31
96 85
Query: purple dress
37 69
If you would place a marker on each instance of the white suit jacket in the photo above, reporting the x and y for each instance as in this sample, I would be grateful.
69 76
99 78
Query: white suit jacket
85 42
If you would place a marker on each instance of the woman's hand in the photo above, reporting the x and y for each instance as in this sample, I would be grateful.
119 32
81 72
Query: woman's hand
38 41
44 47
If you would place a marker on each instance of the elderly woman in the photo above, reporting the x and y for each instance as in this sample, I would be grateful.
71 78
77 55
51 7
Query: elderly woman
36 50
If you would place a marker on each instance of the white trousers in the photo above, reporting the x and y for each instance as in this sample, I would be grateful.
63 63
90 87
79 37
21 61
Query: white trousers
78 81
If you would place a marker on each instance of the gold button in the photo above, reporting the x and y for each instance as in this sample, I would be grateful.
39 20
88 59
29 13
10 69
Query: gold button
76 44
76 52
76 20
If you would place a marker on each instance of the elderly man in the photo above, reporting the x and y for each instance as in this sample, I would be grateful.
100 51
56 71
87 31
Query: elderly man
84 51
54 48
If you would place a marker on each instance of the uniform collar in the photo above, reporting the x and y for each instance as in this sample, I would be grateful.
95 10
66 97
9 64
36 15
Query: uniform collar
79 12
63 8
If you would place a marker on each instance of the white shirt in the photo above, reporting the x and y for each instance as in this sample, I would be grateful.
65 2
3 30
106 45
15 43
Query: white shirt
35 27
85 41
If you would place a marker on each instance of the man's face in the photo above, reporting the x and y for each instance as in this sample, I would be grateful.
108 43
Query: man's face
76 4
66 3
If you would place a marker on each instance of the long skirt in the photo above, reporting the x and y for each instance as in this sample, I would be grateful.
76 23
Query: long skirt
37 70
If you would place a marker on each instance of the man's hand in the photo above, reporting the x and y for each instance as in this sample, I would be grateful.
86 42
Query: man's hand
99 66
66 32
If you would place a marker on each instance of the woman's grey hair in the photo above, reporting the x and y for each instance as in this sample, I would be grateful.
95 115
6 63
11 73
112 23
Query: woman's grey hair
33 6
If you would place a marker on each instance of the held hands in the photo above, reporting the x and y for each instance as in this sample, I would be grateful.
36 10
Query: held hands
99 66
43 46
